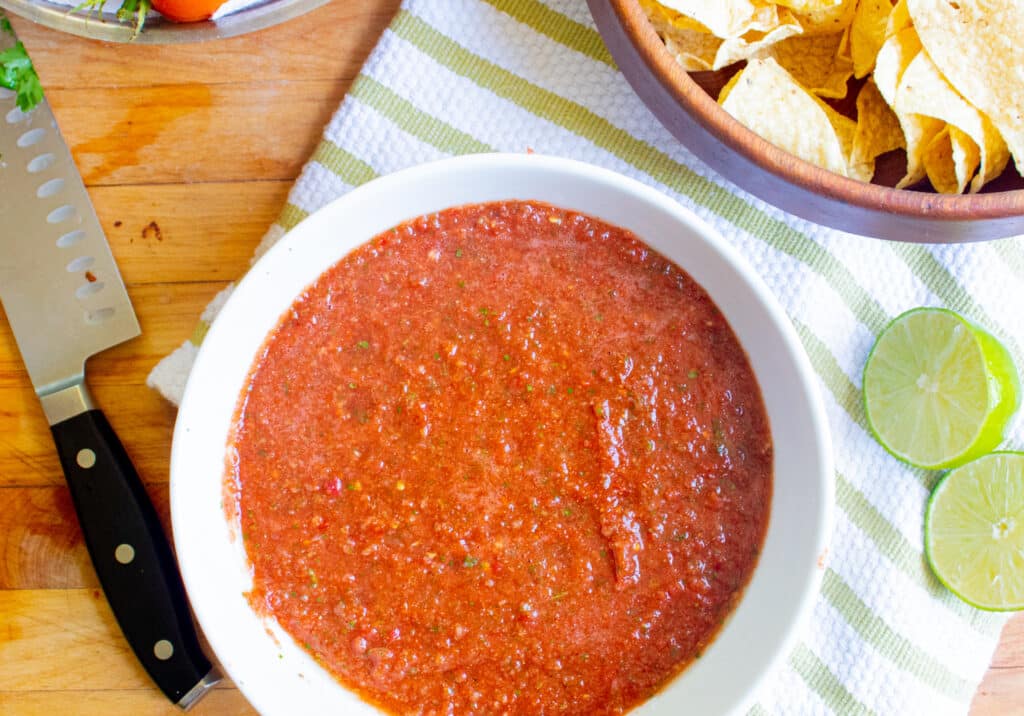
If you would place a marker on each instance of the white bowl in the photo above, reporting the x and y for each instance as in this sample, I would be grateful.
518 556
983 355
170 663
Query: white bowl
275 674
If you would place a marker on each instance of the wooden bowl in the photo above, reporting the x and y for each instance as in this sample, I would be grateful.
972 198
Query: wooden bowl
687 110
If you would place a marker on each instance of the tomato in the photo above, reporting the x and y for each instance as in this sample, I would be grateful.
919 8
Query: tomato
187 10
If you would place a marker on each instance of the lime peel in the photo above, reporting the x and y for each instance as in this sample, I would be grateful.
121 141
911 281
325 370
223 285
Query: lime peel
974 532
939 391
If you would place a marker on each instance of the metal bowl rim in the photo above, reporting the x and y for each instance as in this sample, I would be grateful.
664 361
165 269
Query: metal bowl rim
158 31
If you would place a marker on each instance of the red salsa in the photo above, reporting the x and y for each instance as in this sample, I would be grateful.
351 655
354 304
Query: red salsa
505 458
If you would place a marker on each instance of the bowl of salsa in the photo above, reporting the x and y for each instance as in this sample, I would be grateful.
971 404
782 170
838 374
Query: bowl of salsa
501 434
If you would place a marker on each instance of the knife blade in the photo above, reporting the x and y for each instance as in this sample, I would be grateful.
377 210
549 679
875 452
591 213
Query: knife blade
65 301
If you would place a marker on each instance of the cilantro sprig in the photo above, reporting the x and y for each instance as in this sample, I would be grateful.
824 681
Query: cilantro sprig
132 12
17 73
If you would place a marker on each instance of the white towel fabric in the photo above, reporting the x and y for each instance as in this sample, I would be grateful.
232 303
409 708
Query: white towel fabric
483 75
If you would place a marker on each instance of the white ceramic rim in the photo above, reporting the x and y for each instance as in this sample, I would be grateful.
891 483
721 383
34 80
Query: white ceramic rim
276 675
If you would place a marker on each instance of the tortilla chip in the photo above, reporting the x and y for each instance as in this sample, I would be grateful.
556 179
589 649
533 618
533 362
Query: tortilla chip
945 79
924 91
951 160
892 60
828 21
770 17
754 42
867 33
918 133
899 19
727 18
977 45
659 14
698 50
846 132
878 129
860 172
724 93
768 100
808 6
814 62
694 50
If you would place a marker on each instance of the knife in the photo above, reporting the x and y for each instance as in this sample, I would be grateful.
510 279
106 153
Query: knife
65 302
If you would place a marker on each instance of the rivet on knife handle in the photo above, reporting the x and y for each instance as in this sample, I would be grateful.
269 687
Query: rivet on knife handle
131 555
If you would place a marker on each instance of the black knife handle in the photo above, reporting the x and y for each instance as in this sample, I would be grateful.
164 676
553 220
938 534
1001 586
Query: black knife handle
131 553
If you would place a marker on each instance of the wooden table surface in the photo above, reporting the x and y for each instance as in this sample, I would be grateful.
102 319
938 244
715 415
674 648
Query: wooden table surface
188 153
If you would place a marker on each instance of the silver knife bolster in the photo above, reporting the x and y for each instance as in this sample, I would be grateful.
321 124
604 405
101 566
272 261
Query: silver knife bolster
199 690
66 402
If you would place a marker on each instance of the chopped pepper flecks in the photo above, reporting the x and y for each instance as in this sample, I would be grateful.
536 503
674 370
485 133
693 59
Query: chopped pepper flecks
540 448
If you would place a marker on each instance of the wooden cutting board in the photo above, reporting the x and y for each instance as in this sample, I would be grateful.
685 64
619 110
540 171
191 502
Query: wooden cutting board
188 153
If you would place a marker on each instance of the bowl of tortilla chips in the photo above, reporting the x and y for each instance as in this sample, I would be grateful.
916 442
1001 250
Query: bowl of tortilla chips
899 119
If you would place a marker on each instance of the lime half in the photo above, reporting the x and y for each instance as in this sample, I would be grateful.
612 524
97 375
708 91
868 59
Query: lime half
974 532
938 390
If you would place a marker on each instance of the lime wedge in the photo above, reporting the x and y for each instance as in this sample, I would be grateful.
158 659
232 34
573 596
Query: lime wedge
974 532
938 390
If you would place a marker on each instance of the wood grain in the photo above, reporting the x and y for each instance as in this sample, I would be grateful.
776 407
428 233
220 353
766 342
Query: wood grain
167 312
1002 691
220 702
204 142
75 624
250 131
40 543
327 44
192 232
96 671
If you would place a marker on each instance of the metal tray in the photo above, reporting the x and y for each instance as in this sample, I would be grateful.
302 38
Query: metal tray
159 31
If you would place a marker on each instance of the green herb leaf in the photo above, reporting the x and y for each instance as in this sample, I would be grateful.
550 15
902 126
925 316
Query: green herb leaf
134 11
470 561
363 344
18 74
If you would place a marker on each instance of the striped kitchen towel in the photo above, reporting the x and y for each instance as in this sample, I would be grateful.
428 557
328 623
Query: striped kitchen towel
503 75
